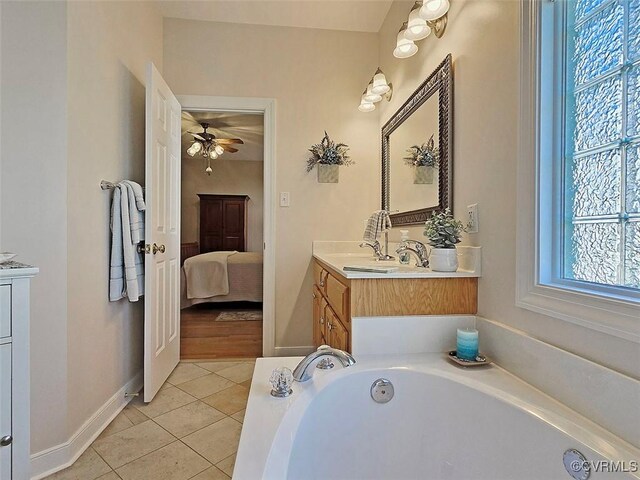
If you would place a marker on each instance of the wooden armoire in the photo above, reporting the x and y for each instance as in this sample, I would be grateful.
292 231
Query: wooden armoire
223 222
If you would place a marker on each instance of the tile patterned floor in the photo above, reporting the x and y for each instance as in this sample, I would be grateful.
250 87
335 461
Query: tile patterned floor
190 430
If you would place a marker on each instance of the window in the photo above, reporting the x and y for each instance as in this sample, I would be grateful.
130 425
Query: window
578 225
601 137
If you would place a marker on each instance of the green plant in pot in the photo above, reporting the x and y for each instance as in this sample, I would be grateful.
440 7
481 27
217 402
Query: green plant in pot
328 157
443 232
425 158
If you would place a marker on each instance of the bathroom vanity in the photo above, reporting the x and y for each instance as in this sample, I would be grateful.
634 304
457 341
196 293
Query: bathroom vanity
339 296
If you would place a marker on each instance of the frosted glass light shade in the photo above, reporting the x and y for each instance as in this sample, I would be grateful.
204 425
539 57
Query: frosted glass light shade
366 106
219 150
380 85
434 9
417 27
197 146
191 151
404 47
370 96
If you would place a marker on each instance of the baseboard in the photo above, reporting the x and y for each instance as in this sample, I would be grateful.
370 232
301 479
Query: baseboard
299 351
61 456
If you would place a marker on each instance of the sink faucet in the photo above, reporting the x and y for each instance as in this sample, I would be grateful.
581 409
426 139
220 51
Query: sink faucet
304 370
419 250
375 246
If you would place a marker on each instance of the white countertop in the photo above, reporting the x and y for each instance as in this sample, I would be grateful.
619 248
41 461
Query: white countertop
337 255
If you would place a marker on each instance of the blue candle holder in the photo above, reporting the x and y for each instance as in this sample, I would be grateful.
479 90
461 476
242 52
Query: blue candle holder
467 343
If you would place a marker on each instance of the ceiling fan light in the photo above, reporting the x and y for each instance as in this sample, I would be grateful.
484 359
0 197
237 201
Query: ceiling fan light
370 96
380 85
219 150
213 154
417 27
191 151
434 9
197 146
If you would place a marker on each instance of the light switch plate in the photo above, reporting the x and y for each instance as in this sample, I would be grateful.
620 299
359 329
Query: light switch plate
284 199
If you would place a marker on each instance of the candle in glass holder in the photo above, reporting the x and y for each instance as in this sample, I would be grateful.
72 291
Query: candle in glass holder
467 343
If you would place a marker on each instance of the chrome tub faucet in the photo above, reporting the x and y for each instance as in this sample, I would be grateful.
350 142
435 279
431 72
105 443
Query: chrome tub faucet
304 370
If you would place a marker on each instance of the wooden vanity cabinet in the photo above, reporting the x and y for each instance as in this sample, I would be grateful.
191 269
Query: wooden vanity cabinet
336 299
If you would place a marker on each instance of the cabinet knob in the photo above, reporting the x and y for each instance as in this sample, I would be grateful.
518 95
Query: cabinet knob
329 326
6 441
321 321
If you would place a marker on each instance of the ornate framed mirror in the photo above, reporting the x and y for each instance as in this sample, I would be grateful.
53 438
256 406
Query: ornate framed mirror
417 151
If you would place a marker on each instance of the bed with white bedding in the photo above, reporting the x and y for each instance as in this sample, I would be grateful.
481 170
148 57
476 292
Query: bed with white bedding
244 271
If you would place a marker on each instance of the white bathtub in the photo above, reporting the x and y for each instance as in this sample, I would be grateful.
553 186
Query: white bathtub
444 422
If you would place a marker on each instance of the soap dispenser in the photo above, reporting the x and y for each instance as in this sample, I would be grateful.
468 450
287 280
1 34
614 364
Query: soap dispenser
404 257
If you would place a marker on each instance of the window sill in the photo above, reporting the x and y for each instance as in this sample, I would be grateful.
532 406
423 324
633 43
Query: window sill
617 317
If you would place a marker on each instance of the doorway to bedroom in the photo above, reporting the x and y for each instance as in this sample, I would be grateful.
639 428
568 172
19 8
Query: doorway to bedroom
222 234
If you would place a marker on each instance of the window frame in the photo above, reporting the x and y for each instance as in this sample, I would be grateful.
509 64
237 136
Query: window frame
540 286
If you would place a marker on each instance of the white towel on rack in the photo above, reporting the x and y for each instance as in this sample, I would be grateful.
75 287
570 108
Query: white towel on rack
378 222
126 275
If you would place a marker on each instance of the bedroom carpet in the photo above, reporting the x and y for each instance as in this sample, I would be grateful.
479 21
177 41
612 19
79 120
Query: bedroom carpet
241 316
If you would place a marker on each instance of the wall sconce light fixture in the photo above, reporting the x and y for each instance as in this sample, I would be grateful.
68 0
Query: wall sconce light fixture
425 17
377 89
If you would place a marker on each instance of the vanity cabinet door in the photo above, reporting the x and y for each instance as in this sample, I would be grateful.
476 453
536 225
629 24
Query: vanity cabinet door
338 334
338 296
5 409
318 320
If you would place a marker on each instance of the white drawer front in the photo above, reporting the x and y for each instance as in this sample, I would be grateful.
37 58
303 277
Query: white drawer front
5 311
5 409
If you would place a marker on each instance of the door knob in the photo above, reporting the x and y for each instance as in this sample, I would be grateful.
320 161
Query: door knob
6 441
157 248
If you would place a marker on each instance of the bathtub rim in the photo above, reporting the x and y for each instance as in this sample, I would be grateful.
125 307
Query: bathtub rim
280 426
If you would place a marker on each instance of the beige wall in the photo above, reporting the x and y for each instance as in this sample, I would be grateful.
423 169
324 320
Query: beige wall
235 177
34 193
316 77
483 38
82 91
109 45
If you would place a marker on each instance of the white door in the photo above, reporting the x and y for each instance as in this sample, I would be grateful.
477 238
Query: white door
162 261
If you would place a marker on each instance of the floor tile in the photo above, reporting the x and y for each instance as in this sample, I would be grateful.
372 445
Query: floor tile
238 373
230 400
218 365
134 415
117 424
89 466
227 464
216 442
175 461
127 445
239 416
185 420
185 372
204 386
246 383
164 401
109 476
212 473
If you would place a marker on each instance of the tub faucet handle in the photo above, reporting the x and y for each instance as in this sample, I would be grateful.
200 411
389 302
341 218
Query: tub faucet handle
281 381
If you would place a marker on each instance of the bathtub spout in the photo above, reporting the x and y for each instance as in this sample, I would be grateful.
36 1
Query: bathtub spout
304 370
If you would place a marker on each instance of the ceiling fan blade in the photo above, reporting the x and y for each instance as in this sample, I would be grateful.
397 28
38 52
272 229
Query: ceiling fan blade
196 135
229 149
230 140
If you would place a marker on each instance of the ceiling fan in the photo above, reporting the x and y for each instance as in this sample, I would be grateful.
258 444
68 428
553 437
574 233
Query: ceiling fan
211 147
